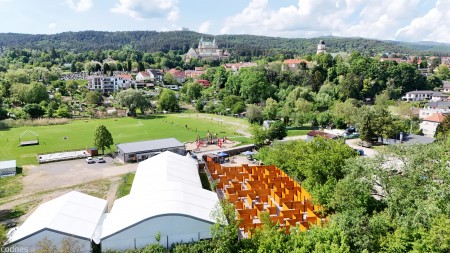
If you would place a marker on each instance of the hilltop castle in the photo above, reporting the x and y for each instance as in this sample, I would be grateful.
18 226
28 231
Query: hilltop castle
206 51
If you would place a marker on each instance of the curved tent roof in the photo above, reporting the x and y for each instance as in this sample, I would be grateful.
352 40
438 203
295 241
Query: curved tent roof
73 213
163 168
166 184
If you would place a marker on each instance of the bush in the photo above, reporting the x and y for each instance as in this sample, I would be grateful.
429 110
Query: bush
10 123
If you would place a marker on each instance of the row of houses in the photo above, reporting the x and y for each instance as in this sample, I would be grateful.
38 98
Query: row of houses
154 77
429 95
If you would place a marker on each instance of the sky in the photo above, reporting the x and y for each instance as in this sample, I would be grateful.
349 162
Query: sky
403 20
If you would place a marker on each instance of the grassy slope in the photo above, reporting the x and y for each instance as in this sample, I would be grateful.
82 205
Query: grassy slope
80 133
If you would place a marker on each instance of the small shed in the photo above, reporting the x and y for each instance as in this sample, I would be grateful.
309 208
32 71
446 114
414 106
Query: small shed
92 151
8 168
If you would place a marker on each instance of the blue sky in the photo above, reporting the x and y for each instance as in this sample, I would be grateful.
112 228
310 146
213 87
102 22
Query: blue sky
406 20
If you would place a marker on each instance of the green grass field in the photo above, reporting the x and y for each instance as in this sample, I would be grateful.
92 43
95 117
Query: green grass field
79 133
125 186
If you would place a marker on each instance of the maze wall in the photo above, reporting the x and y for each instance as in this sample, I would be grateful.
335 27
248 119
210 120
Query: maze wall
257 189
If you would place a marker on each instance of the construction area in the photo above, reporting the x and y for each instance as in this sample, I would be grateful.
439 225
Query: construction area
257 189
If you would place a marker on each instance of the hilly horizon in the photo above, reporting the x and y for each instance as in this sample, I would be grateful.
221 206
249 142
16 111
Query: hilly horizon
181 41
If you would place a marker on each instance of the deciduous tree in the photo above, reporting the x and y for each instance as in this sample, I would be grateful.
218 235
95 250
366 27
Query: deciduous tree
133 100
102 138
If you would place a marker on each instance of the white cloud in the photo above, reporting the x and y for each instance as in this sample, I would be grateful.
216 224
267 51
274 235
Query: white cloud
81 5
383 19
204 27
145 9
433 26
52 25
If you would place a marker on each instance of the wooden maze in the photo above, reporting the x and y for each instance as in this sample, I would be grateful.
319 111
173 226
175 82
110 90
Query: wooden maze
257 189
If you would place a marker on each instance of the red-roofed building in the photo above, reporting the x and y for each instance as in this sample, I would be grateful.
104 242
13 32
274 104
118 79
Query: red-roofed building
194 74
430 124
125 76
143 76
398 60
204 83
178 74
293 63
314 133
236 66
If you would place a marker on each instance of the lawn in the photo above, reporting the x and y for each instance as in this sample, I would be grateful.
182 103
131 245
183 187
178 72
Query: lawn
125 187
78 134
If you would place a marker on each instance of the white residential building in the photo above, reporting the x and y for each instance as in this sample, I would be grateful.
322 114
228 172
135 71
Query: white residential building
430 124
418 95
143 76
110 84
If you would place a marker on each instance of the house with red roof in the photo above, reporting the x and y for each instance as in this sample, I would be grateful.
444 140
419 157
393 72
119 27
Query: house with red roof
178 74
294 63
430 124
143 76
204 83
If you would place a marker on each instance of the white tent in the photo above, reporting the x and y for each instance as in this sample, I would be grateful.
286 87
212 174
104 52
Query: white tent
74 216
167 198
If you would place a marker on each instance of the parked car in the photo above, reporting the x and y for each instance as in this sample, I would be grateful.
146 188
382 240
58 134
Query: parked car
90 160
351 136
100 159
365 144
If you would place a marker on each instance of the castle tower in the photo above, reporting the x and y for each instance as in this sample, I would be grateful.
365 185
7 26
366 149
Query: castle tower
214 43
321 47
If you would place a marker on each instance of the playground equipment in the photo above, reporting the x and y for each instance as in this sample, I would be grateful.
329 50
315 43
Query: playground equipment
26 142
210 139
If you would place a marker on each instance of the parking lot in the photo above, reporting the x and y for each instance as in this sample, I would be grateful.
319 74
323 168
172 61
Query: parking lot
68 173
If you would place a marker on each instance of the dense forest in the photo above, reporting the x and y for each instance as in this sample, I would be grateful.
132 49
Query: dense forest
181 41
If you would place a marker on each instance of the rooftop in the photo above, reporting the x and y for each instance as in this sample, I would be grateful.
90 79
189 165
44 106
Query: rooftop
315 133
421 92
133 147
437 117
165 185
73 213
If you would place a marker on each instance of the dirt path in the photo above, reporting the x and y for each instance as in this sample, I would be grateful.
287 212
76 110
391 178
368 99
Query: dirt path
44 182
112 193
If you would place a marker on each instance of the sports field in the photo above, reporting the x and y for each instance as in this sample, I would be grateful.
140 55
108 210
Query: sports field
78 134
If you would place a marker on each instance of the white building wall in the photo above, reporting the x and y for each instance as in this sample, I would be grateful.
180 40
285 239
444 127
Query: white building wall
8 171
428 128
173 228
32 243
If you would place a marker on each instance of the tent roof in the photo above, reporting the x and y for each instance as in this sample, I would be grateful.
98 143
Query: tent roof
132 147
73 213
165 167
166 184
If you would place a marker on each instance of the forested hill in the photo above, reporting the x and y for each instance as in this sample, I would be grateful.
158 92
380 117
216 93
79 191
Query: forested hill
182 40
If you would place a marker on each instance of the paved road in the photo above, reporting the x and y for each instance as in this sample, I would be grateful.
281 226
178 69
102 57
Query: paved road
367 151
68 173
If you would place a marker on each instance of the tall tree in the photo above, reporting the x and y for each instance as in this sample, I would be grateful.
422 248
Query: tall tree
133 100
102 138
168 101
